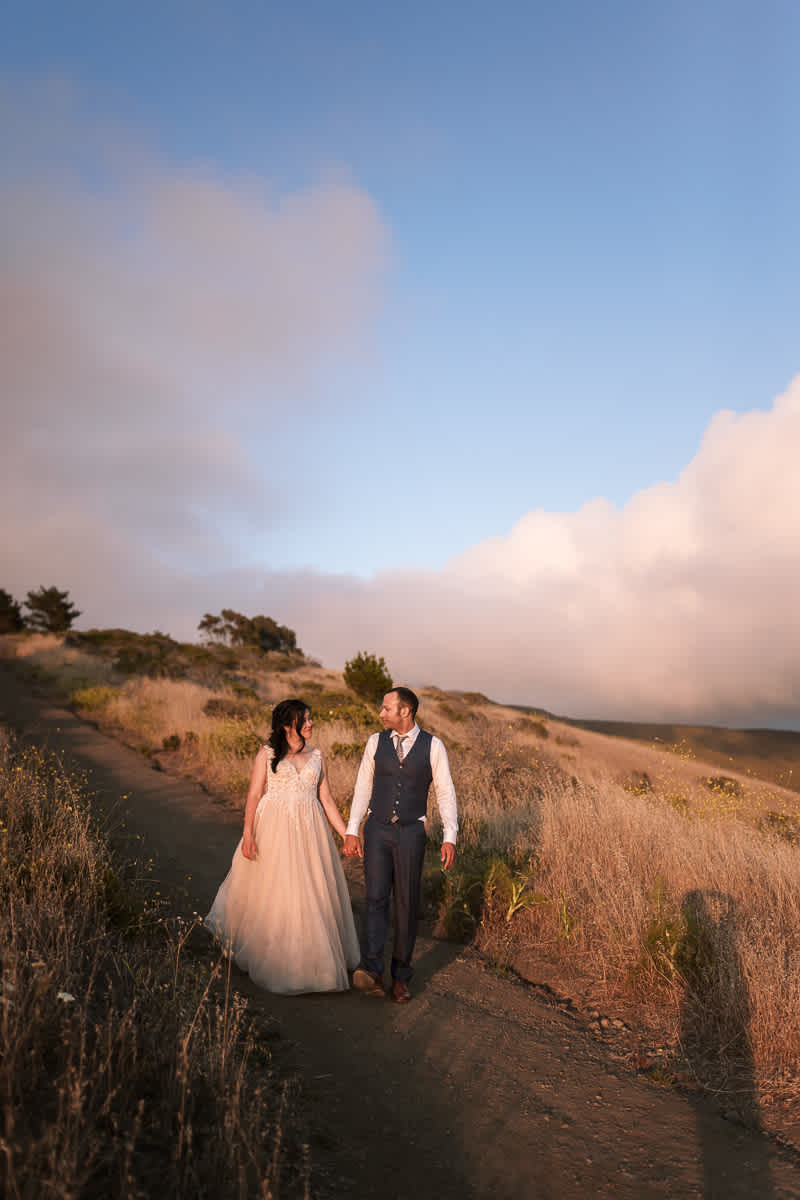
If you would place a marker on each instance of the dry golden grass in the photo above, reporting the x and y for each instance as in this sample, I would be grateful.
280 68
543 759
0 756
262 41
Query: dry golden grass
125 1070
652 874
46 656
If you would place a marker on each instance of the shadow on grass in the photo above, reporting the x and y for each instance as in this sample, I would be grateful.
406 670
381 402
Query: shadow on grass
715 1023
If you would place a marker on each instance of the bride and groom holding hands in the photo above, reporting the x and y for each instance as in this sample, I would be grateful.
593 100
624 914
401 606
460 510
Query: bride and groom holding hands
283 911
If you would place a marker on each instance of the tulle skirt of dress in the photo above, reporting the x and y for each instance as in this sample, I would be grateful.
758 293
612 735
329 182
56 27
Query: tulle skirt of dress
286 917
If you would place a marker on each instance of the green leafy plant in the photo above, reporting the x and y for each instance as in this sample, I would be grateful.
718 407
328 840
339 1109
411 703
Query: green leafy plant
784 825
723 785
92 699
235 629
235 737
50 610
339 706
509 890
348 750
368 677
11 618
663 936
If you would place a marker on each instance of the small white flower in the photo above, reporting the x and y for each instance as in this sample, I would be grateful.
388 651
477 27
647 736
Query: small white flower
67 997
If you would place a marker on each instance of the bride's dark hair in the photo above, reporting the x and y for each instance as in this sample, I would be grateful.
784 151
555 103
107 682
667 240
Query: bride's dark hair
288 712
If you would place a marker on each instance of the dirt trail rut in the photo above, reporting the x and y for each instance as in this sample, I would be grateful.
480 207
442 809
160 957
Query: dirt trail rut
478 1088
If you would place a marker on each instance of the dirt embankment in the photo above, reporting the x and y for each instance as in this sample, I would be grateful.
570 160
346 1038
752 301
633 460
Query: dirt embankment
483 1086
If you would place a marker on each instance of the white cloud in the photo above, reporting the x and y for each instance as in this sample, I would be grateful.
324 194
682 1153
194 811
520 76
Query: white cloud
683 605
148 309
149 312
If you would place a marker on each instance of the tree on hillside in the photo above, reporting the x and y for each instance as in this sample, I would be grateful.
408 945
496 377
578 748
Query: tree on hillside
368 677
234 629
11 618
50 610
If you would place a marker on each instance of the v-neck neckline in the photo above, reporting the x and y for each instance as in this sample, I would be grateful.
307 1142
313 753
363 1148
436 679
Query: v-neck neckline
306 758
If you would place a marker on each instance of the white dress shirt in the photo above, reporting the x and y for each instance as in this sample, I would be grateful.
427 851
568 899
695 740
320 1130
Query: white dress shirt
442 783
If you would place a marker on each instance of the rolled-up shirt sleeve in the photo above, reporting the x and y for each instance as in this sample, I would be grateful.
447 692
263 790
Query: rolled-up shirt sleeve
362 793
445 790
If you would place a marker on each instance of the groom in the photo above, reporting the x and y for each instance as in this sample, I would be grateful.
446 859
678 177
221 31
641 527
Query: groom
396 771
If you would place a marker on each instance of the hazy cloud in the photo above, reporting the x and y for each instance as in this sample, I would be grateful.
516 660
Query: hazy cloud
149 311
682 605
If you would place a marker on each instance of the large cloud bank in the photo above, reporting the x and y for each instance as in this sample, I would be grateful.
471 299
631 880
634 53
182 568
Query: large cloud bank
147 308
684 605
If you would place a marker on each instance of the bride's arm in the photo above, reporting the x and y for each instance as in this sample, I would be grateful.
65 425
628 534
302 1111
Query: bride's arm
257 784
328 803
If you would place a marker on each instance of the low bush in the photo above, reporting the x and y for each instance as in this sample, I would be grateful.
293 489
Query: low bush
368 677
93 699
785 826
723 785
348 750
328 706
228 706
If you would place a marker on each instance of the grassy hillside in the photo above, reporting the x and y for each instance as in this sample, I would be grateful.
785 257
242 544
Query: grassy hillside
657 873
769 754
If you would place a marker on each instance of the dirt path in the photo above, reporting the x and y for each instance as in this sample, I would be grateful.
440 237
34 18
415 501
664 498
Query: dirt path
478 1088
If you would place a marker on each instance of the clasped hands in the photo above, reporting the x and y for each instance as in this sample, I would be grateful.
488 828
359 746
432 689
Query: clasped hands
353 848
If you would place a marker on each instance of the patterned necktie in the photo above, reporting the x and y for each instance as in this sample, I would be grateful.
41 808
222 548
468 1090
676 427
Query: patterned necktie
400 741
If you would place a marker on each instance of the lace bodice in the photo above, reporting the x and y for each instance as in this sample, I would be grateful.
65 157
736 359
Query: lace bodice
294 789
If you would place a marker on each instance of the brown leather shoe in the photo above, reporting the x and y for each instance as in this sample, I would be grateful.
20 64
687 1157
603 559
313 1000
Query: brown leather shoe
367 983
400 992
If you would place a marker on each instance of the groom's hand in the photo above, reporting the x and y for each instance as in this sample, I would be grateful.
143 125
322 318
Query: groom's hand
448 855
352 846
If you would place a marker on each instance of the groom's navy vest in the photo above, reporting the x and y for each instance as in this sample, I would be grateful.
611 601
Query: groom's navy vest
401 788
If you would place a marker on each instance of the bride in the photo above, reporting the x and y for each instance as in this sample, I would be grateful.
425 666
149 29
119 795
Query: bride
283 911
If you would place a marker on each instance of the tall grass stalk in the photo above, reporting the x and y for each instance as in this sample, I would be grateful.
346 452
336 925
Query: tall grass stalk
128 1066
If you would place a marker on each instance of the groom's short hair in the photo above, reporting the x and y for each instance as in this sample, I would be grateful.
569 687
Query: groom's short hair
407 697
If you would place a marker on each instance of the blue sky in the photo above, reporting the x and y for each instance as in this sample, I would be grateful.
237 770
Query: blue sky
574 241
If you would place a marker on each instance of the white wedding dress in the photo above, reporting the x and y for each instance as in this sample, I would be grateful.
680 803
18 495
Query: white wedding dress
286 918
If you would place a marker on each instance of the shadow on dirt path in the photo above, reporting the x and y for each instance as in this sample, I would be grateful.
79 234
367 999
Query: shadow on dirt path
478 1088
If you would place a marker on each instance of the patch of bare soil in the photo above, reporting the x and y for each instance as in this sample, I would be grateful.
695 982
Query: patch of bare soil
483 1086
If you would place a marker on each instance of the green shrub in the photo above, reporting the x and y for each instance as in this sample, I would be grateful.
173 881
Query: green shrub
461 895
92 699
723 785
639 783
532 725
786 826
348 750
338 706
244 690
235 737
172 741
662 937
11 618
508 890
235 629
50 610
368 677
